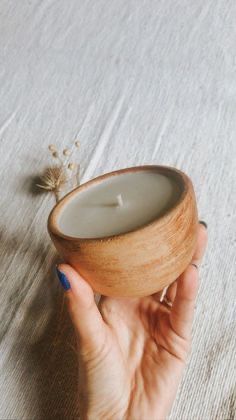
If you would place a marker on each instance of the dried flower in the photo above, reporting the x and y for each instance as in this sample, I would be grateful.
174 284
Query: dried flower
53 180
71 166
66 152
52 148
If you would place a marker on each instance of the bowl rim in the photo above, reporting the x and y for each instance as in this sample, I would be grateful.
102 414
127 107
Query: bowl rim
184 182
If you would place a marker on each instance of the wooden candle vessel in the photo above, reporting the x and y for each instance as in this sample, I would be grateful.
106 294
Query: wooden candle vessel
140 262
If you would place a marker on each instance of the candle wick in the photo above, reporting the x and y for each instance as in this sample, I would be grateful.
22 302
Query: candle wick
120 200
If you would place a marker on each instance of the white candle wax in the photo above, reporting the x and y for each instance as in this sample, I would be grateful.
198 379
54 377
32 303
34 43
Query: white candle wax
118 204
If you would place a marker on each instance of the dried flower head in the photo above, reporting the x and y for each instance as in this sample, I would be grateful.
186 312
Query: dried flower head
55 154
66 152
52 148
53 179
71 166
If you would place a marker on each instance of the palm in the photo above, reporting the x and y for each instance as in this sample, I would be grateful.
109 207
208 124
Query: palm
150 354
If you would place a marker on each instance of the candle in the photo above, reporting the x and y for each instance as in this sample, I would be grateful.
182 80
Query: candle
128 233
119 204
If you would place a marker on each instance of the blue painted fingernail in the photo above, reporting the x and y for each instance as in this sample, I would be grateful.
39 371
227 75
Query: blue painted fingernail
63 279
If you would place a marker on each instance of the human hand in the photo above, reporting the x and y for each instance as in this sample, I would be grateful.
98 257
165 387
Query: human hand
132 351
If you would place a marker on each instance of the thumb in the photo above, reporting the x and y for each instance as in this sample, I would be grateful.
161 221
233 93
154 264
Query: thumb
83 310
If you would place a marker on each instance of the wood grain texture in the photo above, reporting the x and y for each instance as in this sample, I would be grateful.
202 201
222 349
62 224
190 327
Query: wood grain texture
139 82
137 263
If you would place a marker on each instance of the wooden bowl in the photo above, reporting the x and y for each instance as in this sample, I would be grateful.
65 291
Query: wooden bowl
140 262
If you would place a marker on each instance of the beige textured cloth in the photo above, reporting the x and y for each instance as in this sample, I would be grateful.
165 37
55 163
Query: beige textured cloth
138 81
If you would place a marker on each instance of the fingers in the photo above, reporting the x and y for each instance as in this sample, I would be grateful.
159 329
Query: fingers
197 257
171 291
182 311
201 244
82 307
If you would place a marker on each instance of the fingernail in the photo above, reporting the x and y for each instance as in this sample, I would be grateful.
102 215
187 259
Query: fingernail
203 223
63 279
195 265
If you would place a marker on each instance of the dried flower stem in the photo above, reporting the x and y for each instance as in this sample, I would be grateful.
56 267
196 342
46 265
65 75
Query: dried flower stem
57 195
78 175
